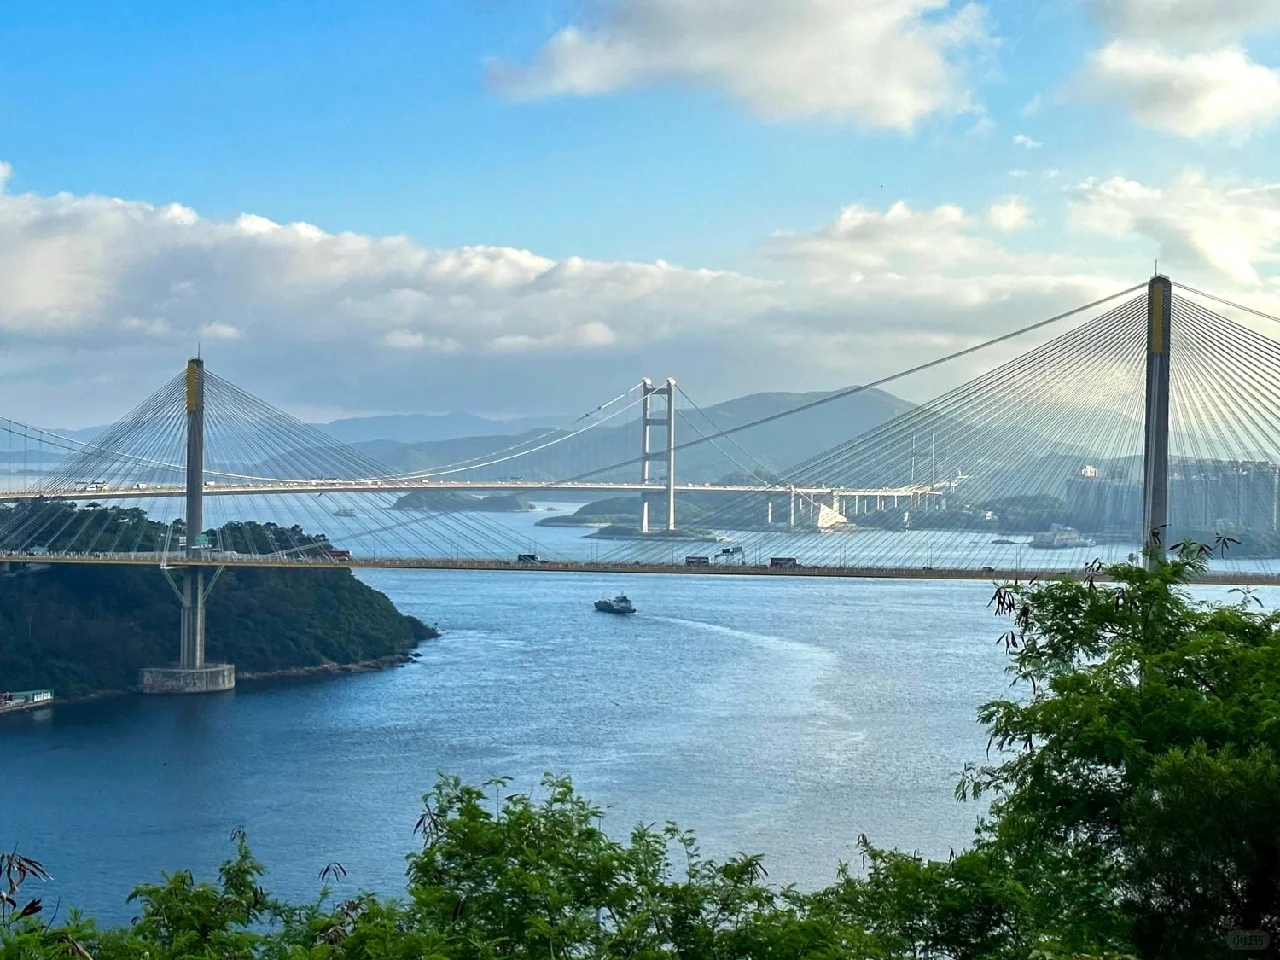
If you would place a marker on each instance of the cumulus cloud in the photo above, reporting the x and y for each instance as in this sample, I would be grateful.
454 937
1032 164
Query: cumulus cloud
1179 65
927 267
1022 140
1194 23
152 326
1009 214
1197 223
1193 94
87 277
101 298
92 264
882 63
219 331
870 241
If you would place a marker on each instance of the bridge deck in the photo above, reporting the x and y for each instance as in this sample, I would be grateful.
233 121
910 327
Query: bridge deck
462 486
994 575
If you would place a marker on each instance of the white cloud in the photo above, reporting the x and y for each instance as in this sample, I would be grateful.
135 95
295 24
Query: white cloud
1052 174
870 241
1019 174
1194 23
1178 65
1009 214
1196 223
942 256
217 330
152 326
1022 140
882 63
414 340
83 264
92 287
1032 106
1194 94
404 339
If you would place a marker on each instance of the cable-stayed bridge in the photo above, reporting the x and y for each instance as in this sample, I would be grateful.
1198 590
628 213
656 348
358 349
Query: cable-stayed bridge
1149 418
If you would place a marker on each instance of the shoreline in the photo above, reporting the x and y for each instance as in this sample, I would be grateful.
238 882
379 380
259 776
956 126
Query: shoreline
263 676
330 669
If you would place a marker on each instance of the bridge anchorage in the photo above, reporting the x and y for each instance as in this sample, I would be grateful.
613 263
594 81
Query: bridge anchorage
192 674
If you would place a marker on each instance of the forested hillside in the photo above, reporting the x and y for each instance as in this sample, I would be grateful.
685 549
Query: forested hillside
84 629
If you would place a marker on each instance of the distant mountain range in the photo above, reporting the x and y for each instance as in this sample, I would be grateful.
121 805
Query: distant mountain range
399 428
428 428
772 447
410 442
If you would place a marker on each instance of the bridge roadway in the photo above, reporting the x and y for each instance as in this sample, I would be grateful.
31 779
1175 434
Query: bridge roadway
393 485
1236 578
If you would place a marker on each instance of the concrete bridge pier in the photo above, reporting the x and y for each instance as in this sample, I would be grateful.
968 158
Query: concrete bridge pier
667 393
192 674
1155 454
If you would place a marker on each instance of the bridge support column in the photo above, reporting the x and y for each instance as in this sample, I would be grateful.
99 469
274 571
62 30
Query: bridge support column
791 522
1155 455
192 674
667 393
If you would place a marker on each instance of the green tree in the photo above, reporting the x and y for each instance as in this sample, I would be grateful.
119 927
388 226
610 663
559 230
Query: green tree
1139 775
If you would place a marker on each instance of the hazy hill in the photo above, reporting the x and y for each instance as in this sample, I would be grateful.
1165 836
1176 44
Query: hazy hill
421 427
418 442
397 428
778 445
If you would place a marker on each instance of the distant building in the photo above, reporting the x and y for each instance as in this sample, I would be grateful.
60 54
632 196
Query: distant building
1224 496
1221 496
1104 501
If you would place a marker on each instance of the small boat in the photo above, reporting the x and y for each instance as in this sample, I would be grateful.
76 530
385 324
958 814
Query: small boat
619 604
1003 542
345 512
1060 537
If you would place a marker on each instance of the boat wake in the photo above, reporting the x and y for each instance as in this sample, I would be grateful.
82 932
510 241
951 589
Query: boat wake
726 631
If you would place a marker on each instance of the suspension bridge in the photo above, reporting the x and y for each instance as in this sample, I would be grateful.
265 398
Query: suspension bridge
1147 417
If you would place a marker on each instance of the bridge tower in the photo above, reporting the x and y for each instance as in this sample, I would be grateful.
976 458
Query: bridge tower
1155 455
192 673
666 394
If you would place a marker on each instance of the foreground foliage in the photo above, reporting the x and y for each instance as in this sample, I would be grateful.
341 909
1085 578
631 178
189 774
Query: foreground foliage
1133 782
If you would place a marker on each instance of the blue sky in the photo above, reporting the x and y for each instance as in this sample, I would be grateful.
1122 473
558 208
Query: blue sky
660 135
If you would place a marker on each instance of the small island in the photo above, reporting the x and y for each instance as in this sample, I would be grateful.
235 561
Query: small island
600 513
456 501
618 518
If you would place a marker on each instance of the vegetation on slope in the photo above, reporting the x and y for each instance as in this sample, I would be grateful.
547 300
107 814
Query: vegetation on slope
599 513
1134 776
85 629
456 501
